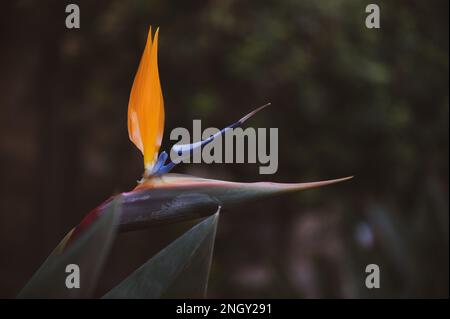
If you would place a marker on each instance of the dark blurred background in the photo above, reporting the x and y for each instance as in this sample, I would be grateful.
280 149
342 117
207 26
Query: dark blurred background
347 101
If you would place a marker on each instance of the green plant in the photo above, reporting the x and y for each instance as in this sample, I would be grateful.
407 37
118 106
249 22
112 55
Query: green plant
159 198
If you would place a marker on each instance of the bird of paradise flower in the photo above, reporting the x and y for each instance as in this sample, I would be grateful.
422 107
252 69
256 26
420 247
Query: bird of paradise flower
146 116
160 196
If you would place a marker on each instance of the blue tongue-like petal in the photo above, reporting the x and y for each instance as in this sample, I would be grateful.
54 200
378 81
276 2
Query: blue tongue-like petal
181 149
185 150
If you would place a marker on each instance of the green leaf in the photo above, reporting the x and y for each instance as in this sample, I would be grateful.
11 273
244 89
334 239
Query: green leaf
88 252
181 270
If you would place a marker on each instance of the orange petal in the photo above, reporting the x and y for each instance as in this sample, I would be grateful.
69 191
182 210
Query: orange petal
146 105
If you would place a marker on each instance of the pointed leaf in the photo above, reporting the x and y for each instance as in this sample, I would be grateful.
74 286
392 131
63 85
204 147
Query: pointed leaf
181 270
88 252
